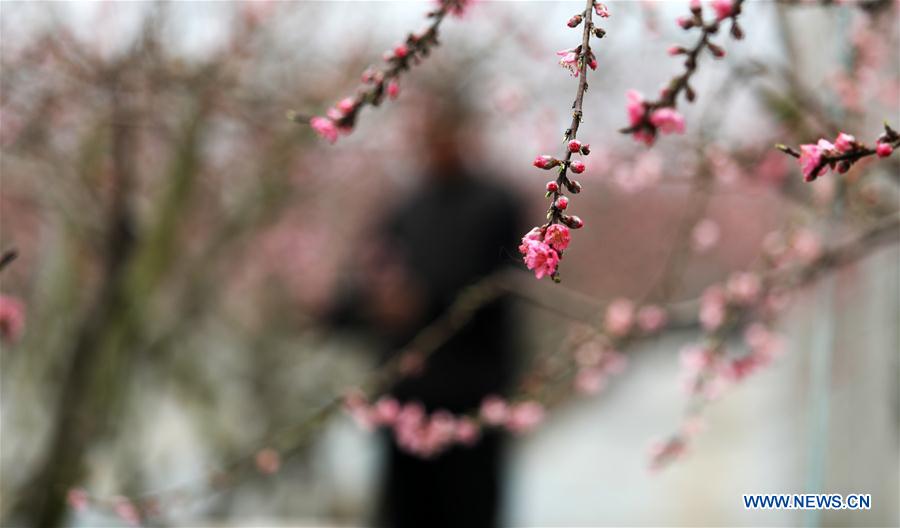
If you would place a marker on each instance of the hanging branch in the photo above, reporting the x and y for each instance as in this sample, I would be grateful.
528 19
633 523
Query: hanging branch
542 247
647 118
816 159
384 81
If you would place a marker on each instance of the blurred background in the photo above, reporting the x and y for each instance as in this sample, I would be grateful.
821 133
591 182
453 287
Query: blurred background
179 241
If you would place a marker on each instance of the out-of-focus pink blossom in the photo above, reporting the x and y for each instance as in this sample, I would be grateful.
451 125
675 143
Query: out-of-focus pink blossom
705 235
635 107
668 121
806 245
723 8
883 150
561 203
613 362
325 128
712 308
12 318
695 358
590 380
393 89
651 318
386 411
619 317
661 453
77 499
268 461
126 510
401 51
494 410
557 235
576 166
601 10
744 287
467 431
525 416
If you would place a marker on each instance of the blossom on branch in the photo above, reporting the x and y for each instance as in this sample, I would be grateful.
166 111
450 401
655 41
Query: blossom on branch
818 158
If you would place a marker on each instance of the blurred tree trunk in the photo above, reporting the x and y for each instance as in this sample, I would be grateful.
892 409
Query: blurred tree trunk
98 363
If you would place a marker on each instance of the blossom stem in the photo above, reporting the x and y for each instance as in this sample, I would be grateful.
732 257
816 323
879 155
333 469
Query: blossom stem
681 83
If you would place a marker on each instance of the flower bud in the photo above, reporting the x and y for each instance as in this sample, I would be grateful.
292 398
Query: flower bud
574 145
884 150
574 21
552 186
685 22
561 203
573 186
599 32
676 50
696 8
545 162
393 89
843 167
585 149
572 221
717 51
736 31
576 166
401 51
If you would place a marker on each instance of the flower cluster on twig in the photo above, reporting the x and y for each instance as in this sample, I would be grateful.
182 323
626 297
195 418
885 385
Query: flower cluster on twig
543 246
818 158
378 83
648 118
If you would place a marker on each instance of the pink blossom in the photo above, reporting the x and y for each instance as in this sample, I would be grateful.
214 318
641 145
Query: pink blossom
268 461
12 318
574 145
325 128
695 358
590 380
705 234
806 244
467 431
540 258
126 511
619 317
569 60
601 10
525 416
561 203
744 287
883 150
386 411
346 105
557 236
844 142
494 410
545 162
662 453
401 51
552 186
723 8
576 166
393 89
765 345
613 362
651 318
668 120
712 308
811 157
635 107
77 499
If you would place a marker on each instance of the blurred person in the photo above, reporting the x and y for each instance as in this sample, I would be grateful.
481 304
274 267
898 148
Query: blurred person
456 228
